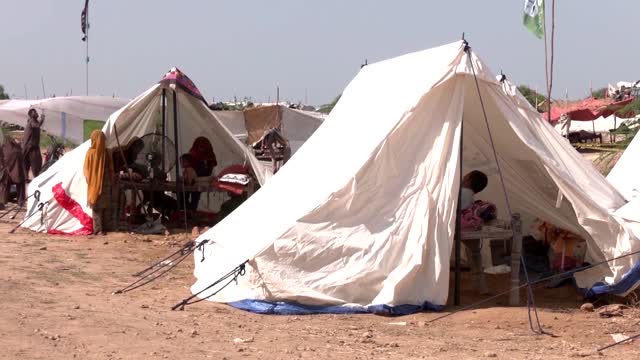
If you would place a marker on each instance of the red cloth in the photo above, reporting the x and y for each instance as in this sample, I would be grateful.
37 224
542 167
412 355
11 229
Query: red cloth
589 109
74 209
237 189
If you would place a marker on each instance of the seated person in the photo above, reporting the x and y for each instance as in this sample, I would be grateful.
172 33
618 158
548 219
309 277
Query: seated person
189 175
203 159
125 157
472 183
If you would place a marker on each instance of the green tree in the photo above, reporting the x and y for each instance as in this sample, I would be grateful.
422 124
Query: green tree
599 93
3 95
534 98
326 108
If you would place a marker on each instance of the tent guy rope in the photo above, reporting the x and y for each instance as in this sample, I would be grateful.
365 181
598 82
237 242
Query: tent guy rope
530 298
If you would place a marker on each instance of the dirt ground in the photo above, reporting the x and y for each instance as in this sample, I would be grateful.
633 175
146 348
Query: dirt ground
56 302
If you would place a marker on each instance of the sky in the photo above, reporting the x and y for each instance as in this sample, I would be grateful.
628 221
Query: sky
309 49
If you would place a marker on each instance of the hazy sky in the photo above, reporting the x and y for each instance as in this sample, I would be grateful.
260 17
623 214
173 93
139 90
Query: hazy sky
247 47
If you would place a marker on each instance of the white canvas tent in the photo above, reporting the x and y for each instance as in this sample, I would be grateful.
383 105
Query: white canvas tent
66 117
625 175
366 223
63 187
297 126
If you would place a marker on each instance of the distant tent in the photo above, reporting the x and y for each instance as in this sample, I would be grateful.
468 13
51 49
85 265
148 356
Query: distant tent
250 125
63 187
69 117
625 175
362 217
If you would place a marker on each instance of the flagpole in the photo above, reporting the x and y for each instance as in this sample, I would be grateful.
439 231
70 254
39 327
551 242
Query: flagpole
87 48
549 65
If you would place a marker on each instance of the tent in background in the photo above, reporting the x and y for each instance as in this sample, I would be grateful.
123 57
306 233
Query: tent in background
250 125
625 175
70 117
364 220
63 187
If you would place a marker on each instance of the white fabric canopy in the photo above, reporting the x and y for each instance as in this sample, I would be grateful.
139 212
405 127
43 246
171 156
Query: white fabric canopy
65 116
297 127
137 118
364 213
625 175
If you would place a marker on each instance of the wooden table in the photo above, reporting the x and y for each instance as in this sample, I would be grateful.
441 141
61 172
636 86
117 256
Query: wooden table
474 239
163 186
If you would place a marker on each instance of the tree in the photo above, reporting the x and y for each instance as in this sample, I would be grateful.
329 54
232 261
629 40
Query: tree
3 95
533 97
599 93
326 108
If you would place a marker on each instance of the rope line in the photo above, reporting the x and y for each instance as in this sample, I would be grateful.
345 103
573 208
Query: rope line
160 268
530 298
534 283
238 271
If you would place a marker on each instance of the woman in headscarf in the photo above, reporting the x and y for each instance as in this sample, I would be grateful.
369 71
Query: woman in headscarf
11 170
203 157
98 170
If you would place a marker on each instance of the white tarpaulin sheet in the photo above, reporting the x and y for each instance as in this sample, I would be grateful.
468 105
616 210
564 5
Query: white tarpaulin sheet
65 116
363 215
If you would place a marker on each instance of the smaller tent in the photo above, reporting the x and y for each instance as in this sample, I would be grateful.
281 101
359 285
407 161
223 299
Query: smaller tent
250 125
175 107
70 117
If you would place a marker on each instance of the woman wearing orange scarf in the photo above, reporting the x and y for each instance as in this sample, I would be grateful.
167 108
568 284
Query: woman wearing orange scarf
98 170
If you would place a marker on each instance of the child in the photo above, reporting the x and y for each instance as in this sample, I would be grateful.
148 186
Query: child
472 183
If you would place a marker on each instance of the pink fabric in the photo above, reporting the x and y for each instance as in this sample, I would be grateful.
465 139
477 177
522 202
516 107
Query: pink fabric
589 109
476 215
74 209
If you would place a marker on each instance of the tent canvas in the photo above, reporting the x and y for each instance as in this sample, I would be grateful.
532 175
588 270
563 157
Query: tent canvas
63 187
625 175
250 125
66 117
372 228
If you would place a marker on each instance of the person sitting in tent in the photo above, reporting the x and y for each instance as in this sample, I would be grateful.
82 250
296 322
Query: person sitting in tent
203 157
31 143
98 170
11 171
472 183
203 160
125 157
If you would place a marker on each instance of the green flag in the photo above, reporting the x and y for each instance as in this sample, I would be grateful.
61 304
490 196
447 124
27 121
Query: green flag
534 17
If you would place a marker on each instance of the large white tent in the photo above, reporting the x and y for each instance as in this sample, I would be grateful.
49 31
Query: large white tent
66 117
63 187
364 220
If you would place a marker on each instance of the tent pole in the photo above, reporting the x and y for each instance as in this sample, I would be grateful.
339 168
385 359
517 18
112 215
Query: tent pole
458 233
179 184
164 125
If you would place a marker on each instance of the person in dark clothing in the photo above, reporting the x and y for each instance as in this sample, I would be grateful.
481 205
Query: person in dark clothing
11 170
31 144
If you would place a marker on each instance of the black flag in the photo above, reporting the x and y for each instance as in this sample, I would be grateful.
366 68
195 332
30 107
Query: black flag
83 19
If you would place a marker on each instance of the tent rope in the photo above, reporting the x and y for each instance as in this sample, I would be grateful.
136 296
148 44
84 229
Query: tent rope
40 206
629 339
238 271
530 298
535 283
160 268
